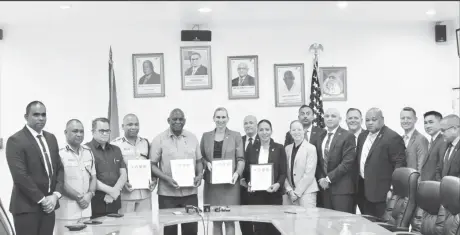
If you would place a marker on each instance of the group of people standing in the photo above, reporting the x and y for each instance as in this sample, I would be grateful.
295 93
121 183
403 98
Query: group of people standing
332 167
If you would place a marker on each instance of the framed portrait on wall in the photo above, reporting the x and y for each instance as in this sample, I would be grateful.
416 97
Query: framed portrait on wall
196 67
289 85
243 77
333 82
148 75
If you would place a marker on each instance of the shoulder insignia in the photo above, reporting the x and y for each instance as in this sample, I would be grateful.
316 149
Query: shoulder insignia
86 147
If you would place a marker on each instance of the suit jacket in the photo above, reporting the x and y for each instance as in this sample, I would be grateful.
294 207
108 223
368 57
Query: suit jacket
435 154
453 167
341 161
387 153
315 135
199 71
232 148
416 151
304 169
248 81
27 167
276 155
154 79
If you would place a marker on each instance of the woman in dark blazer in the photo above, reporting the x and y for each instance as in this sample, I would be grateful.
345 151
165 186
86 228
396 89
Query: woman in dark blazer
267 151
222 143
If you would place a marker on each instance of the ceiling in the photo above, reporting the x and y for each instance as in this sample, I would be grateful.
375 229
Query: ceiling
159 12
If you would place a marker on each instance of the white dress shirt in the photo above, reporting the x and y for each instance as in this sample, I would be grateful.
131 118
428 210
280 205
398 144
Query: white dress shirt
247 141
454 143
323 145
357 135
263 155
295 89
365 151
309 132
406 137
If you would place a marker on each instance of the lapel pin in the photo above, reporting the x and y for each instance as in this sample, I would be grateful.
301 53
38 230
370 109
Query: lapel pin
273 150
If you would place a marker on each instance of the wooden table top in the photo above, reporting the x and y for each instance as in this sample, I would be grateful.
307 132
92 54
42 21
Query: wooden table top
299 221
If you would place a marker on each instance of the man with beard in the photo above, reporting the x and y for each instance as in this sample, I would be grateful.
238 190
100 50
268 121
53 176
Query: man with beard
134 147
175 143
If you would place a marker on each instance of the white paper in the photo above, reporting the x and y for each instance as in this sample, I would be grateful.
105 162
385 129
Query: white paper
261 176
139 173
222 172
183 172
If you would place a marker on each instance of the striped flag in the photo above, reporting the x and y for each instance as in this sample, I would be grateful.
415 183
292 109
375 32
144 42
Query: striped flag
113 104
316 102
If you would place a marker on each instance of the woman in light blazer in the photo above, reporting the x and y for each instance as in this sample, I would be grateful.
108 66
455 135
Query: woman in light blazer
225 144
300 185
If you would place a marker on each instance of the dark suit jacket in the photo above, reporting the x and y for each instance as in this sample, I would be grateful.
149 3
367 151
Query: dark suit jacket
315 136
154 79
435 153
248 81
416 151
202 70
341 161
254 142
276 155
387 153
27 167
453 168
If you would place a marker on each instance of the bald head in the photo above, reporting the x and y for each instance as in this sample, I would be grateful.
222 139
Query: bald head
130 126
374 120
332 118
450 127
243 69
250 125
74 133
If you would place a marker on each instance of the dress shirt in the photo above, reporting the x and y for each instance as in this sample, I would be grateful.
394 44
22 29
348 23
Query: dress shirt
357 135
406 137
308 130
247 141
295 89
323 145
263 155
365 151
454 143
241 80
433 138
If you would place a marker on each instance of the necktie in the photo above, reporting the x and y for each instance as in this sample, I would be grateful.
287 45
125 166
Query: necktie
306 135
431 142
249 144
326 151
446 160
406 139
47 159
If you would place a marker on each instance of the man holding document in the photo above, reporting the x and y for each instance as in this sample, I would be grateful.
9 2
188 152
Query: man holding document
176 161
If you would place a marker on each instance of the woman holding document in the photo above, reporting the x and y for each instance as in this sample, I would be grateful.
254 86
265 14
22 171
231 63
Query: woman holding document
265 172
300 185
223 156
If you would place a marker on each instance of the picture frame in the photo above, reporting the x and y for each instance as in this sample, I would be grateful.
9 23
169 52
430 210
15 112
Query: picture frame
196 67
333 83
289 85
243 77
148 75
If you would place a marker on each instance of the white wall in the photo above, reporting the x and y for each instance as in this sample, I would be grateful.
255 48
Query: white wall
389 66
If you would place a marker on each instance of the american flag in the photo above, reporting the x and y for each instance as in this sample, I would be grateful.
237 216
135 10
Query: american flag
113 104
316 102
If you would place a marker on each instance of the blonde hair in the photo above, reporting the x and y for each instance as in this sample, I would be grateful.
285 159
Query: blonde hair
220 109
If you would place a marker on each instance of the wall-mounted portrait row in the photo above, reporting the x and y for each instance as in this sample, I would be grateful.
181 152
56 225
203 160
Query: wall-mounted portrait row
242 77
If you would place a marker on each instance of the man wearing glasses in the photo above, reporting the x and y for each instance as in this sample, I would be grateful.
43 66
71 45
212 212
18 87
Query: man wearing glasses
110 170
449 164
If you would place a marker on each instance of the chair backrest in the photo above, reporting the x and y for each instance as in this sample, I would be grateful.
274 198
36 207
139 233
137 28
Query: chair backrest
450 200
428 199
401 206
5 225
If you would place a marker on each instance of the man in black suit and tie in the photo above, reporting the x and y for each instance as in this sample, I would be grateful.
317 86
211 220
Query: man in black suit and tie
336 159
437 145
449 164
150 77
380 151
197 68
37 172
249 140
244 79
312 133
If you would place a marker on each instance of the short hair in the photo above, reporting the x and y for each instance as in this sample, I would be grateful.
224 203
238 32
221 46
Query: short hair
354 109
289 72
410 109
177 110
266 121
220 109
295 122
306 106
149 63
101 119
72 120
29 106
195 53
434 113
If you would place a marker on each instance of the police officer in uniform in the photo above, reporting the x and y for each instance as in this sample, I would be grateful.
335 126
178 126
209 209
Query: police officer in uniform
134 147
79 176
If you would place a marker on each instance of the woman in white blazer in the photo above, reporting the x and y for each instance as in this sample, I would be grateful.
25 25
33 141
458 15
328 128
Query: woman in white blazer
300 185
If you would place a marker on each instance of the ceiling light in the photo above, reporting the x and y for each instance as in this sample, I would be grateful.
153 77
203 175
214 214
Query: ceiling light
64 7
204 10
431 12
342 4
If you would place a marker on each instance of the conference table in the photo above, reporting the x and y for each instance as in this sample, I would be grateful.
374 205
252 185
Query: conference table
289 220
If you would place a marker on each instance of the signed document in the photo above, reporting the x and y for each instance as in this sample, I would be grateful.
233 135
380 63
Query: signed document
261 176
139 173
183 172
222 172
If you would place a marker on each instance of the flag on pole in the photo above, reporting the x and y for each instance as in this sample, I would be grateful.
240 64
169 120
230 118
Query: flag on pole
113 104
316 102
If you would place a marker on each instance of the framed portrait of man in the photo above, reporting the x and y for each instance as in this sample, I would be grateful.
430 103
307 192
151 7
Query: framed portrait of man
289 85
196 67
333 82
243 77
148 75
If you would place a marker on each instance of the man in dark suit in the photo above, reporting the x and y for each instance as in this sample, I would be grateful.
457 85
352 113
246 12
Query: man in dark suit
244 79
449 164
380 151
150 77
197 68
437 146
336 159
416 143
249 140
37 172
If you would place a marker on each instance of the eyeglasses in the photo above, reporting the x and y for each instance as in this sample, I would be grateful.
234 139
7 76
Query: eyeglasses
102 131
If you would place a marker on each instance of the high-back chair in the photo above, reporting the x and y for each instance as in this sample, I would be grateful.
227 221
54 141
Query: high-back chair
5 225
450 200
